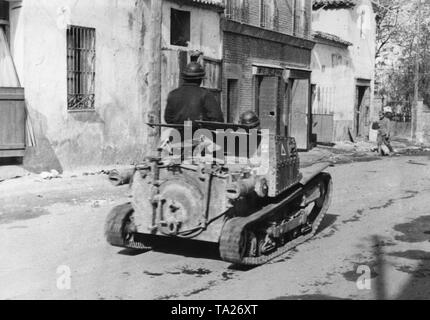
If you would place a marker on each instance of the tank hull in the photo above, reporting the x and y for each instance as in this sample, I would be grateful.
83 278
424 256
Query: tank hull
250 230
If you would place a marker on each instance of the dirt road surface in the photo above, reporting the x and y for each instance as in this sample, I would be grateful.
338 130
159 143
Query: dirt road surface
379 222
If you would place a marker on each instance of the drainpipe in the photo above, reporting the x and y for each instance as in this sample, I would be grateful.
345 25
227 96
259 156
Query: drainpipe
154 108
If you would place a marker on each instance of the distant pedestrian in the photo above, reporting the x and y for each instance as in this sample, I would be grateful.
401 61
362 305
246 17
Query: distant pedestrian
384 133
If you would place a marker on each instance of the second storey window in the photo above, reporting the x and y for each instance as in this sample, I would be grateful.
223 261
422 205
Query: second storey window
301 21
180 29
81 57
269 14
237 10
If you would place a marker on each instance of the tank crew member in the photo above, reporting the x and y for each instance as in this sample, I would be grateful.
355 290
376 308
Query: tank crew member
190 101
250 119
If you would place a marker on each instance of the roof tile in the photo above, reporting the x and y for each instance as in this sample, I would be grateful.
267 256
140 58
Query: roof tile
333 3
217 3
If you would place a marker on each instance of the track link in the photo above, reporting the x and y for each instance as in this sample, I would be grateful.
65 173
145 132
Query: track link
233 236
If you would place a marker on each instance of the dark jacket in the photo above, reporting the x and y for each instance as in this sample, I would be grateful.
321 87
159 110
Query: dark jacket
192 102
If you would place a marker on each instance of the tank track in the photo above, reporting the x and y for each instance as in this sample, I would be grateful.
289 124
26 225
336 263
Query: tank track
116 225
233 233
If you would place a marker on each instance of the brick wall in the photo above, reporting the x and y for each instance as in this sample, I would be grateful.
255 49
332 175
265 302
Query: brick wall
247 45
285 11
241 52
236 53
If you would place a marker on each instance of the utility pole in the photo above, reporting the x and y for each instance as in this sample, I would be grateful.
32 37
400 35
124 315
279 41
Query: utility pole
417 74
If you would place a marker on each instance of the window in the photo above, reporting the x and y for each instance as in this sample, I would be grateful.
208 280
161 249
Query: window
361 22
213 74
237 10
301 23
180 32
4 18
212 80
336 60
269 14
4 11
81 56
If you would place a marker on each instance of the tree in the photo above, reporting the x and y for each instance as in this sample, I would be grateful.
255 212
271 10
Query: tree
387 22
398 39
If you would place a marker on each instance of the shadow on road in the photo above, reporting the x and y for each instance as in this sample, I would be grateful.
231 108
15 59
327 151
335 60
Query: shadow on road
416 263
132 252
180 247
198 249
327 222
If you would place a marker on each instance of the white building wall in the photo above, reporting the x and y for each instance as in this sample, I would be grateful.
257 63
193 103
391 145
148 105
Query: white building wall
206 37
356 25
116 131
205 30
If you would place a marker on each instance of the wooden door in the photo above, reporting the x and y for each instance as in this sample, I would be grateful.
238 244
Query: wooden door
268 106
232 112
299 124
362 112
12 122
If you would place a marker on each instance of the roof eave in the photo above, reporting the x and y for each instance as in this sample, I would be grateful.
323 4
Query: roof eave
333 4
205 4
325 37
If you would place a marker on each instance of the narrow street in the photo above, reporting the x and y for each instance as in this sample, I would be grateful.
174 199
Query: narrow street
379 218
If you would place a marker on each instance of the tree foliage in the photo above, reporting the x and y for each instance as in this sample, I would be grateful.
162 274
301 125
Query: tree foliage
399 43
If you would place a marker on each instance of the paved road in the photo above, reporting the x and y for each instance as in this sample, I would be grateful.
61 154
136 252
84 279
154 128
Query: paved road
379 221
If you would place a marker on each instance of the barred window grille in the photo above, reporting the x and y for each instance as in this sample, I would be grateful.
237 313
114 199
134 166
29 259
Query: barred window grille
237 10
81 57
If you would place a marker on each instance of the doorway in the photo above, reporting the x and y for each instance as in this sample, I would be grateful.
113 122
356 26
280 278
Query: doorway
232 100
268 102
12 105
362 111
300 113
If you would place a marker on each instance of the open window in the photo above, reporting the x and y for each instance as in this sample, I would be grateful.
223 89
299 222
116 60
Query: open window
4 11
180 29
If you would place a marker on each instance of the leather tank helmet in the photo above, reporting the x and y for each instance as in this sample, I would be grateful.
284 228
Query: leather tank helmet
193 71
250 119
